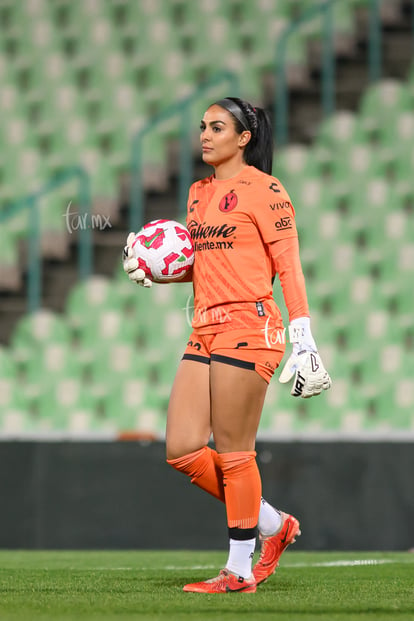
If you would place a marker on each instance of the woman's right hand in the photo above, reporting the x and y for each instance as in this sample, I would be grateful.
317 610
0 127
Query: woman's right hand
130 264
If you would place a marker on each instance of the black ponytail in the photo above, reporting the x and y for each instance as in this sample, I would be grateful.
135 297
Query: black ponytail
259 150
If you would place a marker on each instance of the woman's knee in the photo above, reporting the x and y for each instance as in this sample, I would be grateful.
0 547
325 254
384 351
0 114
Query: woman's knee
178 446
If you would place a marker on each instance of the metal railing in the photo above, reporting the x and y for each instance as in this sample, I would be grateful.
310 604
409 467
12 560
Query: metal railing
182 110
30 205
324 10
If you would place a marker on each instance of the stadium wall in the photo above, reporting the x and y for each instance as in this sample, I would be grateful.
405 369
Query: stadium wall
122 495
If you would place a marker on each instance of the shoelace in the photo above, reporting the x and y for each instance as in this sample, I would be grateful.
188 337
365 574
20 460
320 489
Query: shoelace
220 578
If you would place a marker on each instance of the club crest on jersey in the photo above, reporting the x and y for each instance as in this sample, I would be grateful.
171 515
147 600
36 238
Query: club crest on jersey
228 202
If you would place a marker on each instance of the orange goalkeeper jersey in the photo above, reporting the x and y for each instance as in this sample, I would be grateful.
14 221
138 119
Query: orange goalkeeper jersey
232 222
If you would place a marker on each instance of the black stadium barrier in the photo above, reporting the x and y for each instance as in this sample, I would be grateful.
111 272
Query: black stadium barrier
122 495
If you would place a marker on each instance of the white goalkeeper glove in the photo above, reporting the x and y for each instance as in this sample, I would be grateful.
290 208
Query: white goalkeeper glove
304 362
130 264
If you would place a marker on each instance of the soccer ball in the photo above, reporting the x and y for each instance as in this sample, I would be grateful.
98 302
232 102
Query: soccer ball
164 250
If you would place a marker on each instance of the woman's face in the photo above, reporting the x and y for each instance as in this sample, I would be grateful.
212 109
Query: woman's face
220 142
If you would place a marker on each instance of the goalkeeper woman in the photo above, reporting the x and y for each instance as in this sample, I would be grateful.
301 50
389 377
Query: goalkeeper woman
243 227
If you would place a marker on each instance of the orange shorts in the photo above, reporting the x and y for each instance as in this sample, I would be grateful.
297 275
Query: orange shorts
253 349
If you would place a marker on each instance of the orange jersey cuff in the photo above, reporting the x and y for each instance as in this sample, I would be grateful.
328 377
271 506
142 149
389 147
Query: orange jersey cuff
286 263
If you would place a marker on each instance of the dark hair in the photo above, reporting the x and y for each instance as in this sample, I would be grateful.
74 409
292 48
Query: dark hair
259 150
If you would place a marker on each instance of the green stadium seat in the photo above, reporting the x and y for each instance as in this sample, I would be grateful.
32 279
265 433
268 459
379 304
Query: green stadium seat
104 183
126 290
57 401
57 133
343 27
175 327
277 416
391 411
15 423
11 398
34 28
90 297
377 363
110 99
392 227
340 130
108 326
297 72
384 99
301 416
332 268
295 161
163 374
396 266
363 331
46 82
400 409
17 132
400 302
396 135
82 421
38 329
114 363
324 223
149 311
403 166
130 407
65 143
7 363
376 195
351 167
46 365
24 173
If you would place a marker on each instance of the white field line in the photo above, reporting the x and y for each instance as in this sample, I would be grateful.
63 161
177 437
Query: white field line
344 563
339 563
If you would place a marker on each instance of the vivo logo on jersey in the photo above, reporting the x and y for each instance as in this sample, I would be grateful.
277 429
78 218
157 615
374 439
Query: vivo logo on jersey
201 231
281 205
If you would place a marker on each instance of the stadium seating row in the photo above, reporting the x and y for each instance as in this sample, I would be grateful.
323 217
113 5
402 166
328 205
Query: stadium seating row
108 362
353 158
79 78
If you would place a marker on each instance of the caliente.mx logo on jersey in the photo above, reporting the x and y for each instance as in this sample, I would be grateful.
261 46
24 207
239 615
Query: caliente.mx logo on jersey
209 237
201 230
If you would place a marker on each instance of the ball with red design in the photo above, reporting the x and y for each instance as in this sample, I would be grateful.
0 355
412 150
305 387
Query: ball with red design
164 250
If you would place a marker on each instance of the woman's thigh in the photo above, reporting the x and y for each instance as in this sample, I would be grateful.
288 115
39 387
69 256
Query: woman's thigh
237 397
188 418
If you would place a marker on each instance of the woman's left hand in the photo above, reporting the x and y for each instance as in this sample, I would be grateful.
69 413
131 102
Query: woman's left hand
311 377
304 363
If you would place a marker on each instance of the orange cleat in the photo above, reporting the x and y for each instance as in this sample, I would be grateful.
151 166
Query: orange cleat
225 582
273 546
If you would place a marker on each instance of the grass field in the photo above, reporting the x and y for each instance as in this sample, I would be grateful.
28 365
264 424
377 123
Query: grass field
79 586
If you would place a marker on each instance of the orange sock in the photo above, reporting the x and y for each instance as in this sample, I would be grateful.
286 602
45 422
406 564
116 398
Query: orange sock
203 468
242 488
